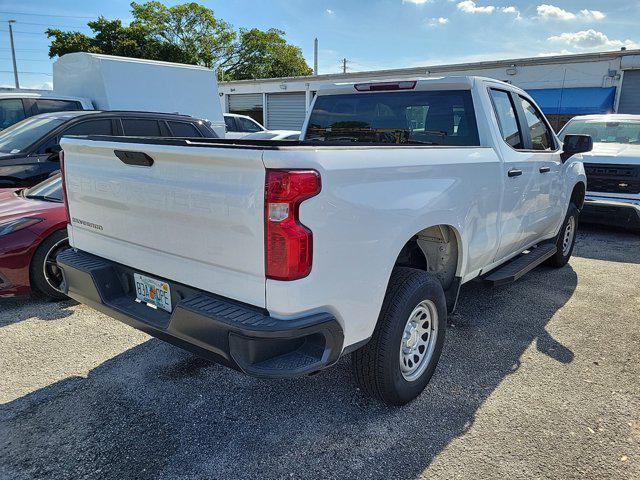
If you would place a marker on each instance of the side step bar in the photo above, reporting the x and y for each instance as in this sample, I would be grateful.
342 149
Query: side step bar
523 263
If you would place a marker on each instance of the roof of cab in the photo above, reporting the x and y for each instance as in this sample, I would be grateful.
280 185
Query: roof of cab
608 117
451 82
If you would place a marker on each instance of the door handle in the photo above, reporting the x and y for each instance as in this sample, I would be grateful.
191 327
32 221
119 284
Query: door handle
140 159
514 172
545 169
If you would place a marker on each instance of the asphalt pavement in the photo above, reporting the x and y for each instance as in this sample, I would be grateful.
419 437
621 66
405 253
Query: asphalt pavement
539 379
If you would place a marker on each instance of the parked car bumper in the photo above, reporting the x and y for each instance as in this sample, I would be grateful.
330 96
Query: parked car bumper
613 211
16 251
220 329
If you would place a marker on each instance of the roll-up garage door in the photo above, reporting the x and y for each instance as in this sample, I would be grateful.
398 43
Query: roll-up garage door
630 94
285 111
246 104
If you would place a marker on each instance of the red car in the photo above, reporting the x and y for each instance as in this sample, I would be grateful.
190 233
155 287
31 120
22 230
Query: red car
33 230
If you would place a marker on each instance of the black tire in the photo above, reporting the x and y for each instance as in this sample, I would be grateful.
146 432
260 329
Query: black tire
377 365
563 255
49 247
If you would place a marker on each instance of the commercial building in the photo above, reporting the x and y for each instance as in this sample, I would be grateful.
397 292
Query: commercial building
563 86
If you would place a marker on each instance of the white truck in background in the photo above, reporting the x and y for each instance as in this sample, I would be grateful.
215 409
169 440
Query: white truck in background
612 168
276 259
121 83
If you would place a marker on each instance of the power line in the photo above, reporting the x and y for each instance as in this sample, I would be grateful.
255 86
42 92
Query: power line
52 25
47 15
23 49
27 73
27 59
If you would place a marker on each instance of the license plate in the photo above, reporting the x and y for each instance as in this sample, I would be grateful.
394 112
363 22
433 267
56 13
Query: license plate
152 292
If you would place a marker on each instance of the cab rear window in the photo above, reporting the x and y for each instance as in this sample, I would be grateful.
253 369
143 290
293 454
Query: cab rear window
417 117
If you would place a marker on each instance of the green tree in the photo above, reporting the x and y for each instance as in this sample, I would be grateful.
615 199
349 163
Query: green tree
261 54
187 33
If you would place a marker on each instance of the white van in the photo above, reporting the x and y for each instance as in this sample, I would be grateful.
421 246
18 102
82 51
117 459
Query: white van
16 105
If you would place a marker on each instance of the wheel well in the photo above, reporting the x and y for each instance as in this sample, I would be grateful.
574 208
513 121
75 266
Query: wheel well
434 250
577 196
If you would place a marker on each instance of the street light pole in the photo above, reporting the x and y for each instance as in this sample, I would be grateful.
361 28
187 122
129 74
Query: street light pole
13 54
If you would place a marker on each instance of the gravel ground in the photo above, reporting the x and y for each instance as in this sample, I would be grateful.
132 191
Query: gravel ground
540 379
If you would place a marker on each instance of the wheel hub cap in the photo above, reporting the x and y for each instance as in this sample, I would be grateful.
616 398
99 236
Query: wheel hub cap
418 340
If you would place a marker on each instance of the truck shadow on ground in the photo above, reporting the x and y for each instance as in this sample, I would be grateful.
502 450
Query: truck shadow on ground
12 310
155 411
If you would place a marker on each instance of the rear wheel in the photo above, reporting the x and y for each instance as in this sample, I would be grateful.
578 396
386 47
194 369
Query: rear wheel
566 239
399 360
46 276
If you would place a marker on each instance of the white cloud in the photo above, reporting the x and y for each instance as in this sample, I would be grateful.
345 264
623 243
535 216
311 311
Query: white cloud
591 39
512 10
434 22
417 2
329 11
592 14
551 12
469 6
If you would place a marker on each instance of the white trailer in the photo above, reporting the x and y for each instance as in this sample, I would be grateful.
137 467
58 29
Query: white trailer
119 83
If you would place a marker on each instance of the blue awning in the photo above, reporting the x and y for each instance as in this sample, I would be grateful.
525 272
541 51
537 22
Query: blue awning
574 101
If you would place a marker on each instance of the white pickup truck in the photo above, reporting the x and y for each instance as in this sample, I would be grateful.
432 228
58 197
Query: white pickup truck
278 258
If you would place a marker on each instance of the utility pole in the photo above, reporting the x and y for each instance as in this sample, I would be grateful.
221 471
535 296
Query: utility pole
344 65
315 56
13 54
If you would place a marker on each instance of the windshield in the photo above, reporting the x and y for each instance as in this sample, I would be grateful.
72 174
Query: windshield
19 136
605 132
50 189
417 117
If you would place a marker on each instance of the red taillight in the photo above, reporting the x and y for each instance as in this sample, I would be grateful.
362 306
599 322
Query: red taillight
64 185
288 243
382 86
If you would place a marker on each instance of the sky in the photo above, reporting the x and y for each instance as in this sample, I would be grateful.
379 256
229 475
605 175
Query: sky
370 34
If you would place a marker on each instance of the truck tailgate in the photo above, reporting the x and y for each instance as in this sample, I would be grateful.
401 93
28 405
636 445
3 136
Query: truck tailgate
195 216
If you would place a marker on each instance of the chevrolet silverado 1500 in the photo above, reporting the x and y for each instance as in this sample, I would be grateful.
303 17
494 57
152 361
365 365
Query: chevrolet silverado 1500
612 168
277 258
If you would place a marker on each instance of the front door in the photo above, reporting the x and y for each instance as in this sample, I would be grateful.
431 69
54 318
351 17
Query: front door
519 178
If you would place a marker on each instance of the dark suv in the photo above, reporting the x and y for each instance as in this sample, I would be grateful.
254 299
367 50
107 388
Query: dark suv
29 149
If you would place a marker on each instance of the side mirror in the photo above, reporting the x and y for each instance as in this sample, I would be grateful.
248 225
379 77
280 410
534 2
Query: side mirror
575 144
53 151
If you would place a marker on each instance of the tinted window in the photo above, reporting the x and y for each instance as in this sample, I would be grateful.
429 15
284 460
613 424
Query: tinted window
141 127
90 127
11 111
46 105
20 135
184 129
627 131
541 138
422 117
230 123
506 118
247 125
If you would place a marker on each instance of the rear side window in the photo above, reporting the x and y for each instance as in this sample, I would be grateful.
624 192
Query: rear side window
47 105
141 127
91 127
418 117
507 120
247 125
184 129
11 111
541 138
